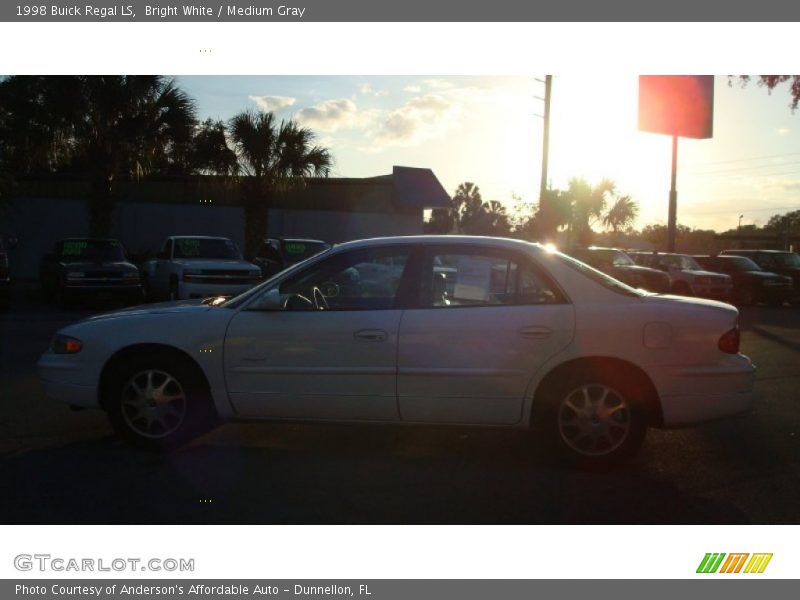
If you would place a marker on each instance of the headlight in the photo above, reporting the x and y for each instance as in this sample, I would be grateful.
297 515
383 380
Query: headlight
64 344
75 274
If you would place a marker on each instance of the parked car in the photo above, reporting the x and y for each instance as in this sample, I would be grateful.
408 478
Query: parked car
527 338
276 254
774 261
198 267
89 269
619 265
687 278
5 276
751 283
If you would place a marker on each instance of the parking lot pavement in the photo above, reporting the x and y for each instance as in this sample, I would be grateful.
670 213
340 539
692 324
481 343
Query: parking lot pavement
59 466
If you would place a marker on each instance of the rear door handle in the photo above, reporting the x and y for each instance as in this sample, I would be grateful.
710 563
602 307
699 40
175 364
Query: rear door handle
371 335
535 332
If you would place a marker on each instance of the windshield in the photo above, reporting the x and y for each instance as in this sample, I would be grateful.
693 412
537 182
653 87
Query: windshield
210 248
599 277
681 262
237 301
740 263
786 259
79 250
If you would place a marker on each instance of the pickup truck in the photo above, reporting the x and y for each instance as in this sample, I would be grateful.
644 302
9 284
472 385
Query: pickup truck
198 267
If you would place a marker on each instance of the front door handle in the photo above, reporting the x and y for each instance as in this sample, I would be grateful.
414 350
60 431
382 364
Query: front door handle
535 332
371 335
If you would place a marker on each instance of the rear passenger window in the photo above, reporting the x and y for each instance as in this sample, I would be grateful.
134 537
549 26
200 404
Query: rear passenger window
475 279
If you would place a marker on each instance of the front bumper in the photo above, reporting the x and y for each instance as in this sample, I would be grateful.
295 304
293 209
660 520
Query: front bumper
60 376
713 292
698 394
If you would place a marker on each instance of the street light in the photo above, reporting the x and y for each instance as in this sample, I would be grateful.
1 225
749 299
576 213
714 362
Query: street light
740 221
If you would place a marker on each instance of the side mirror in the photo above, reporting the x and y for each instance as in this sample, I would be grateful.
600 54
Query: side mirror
269 300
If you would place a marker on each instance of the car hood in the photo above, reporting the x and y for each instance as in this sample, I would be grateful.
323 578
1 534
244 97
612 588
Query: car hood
640 269
214 265
106 265
181 306
708 274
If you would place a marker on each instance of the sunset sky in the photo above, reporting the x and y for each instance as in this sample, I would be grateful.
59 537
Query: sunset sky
486 130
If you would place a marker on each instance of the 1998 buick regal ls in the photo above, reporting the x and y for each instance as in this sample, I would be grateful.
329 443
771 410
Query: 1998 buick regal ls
426 330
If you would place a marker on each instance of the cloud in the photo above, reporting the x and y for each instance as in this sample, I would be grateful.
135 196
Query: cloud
329 115
367 90
273 103
422 117
438 84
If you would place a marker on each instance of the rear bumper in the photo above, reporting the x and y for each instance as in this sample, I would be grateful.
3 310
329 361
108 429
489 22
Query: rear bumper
696 395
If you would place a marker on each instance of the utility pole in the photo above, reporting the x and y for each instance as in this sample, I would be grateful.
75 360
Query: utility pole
673 198
543 206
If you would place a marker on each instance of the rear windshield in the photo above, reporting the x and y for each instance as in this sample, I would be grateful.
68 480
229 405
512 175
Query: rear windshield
76 250
211 248
599 277
297 250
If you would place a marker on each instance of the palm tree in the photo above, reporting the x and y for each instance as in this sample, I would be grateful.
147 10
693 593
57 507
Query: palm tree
622 214
274 157
588 203
104 128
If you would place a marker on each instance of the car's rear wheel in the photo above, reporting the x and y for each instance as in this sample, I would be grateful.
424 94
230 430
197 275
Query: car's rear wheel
592 419
158 402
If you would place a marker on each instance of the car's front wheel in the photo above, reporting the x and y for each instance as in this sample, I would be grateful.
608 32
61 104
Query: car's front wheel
158 402
592 419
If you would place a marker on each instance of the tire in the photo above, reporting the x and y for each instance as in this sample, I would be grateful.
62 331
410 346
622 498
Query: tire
159 401
592 418
173 290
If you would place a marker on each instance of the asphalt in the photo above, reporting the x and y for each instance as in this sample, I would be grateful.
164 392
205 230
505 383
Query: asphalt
63 467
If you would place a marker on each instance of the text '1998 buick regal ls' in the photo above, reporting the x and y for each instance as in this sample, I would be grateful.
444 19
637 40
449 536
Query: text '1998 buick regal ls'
416 330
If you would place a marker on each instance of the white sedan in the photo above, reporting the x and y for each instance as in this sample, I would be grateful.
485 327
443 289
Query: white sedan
422 330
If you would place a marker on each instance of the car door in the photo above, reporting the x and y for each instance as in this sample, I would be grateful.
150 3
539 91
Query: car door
340 363
486 321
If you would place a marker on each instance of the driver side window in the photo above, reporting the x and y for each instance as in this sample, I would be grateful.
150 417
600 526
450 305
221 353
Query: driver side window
366 279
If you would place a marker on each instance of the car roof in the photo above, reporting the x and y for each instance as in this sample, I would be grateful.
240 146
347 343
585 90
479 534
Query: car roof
758 250
436 240
197 237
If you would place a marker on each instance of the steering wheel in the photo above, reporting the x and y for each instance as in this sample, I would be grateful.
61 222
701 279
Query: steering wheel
320 302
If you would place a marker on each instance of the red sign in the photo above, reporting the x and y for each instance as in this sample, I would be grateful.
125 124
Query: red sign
681 105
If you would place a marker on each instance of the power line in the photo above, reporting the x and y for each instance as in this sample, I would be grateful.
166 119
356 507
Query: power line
738 169
737 160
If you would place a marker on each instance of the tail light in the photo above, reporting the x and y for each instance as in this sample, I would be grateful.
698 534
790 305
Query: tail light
729 342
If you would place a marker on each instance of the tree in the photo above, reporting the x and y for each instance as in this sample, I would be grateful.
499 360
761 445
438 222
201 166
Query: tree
274 157
773 81
103 128
209 153
588 203
622 214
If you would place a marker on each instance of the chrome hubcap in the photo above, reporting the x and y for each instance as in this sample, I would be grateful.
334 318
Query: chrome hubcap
153 403
594 419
